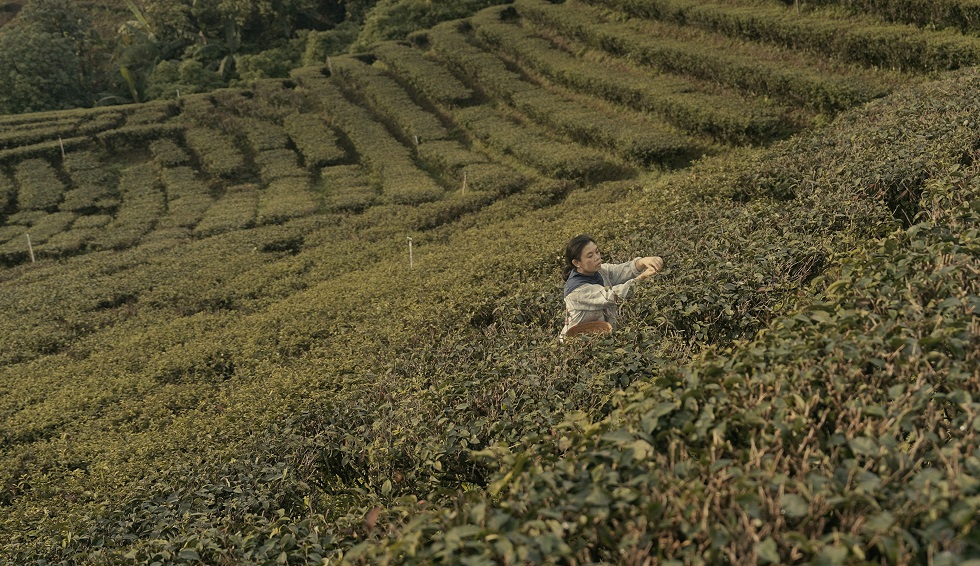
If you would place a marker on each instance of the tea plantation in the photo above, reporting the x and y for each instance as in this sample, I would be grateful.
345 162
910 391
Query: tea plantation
314 321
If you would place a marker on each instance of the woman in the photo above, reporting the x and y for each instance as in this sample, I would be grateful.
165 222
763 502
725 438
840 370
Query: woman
593 289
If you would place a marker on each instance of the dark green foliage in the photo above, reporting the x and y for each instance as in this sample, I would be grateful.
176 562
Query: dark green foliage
92 186
263 135
8 194
168 153
285 198
39 71
347 188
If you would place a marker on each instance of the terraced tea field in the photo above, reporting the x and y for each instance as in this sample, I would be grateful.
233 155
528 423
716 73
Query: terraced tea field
506 100
213 346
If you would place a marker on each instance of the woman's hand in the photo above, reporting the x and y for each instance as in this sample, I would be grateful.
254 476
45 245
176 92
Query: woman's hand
651 265
655 263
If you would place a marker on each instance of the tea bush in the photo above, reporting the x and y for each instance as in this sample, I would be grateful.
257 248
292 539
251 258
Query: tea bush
426 76
168 153
45 150
865 42
278 164
314 140
128 138
390 100
346 187
532 146
956 14
728 117
217 151
797 84
391 162
37 134
234 211
8 194
143 202
285 198
97 122
263 135
39 187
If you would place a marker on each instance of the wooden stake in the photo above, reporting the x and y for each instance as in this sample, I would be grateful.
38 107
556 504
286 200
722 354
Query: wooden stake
62 144
411 259
30 248
464 182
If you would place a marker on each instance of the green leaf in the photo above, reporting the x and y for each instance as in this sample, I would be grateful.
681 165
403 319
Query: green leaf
880 523
768 553
863 445
794 506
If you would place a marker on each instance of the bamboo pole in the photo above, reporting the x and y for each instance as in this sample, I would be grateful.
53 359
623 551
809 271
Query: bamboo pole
30 248
411 258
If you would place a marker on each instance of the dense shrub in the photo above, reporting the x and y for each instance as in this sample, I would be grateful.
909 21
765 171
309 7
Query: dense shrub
143 202
235 210
168 153
46 150
8 194
958 14
314 140
263 135
38 185
532 146
347 188
402 182
279 163
390 100
129 138
285 198
91 187
217 151
426 76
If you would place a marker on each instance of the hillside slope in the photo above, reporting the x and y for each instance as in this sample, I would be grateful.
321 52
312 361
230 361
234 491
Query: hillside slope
222 350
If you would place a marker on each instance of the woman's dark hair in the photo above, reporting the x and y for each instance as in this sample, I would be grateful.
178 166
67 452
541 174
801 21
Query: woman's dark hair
573 250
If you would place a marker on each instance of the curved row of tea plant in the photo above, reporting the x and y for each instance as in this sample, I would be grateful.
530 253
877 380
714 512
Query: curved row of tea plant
863 41
795 79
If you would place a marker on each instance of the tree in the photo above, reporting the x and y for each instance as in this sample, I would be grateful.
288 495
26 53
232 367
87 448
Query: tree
38 71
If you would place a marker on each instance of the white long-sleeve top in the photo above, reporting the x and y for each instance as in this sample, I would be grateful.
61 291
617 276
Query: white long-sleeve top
588 302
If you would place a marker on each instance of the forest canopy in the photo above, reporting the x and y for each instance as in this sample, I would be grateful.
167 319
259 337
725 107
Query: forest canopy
56 55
